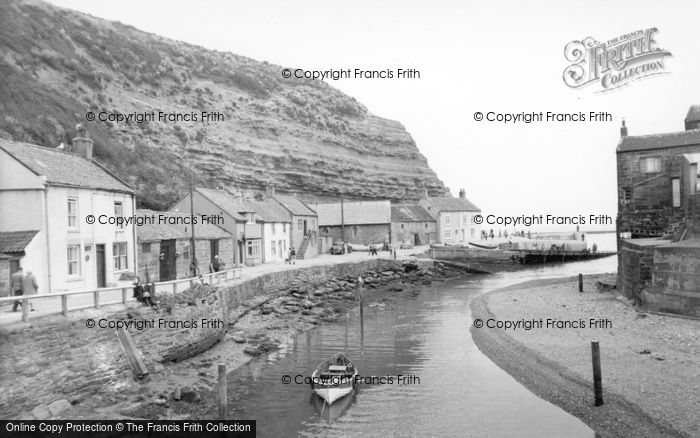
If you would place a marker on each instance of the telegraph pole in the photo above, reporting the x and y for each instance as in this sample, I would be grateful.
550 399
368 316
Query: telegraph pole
193 248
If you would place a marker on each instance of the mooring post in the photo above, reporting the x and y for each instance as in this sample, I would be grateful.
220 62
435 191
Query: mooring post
362 295
597 377
223 400
580 282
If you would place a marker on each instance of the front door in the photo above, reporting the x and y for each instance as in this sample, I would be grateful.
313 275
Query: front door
305 225
101 266
416 239
167 260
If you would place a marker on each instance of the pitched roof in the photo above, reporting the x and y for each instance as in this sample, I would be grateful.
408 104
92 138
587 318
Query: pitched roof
270 211
693 114
227 202
15 241
64 168
294 205
354 213
449 203
410 213
659 141
171 230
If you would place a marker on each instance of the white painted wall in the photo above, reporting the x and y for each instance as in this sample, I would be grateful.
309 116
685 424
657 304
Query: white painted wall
281 234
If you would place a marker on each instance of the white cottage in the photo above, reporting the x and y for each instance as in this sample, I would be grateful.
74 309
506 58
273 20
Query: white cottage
49 199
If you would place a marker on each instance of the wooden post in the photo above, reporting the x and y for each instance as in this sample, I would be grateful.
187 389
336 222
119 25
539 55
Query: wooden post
174 288
597 377
362 296
133 356
25 310
96 298
223 399
64 304
124 294
580 282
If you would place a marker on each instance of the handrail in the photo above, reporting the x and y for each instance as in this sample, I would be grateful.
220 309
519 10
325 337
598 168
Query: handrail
26 299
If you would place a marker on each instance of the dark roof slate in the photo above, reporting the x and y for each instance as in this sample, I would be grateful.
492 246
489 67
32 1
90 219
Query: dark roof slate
12 242
659 141
410 213
270 211
64 168
449 203
157 232
295 205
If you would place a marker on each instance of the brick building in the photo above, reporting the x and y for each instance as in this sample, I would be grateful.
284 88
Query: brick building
659 217
165 249
359 222
411 223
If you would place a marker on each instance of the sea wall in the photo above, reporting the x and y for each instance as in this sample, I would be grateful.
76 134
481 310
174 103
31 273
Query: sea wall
241 293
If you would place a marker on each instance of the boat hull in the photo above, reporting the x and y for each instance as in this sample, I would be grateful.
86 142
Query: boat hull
332 393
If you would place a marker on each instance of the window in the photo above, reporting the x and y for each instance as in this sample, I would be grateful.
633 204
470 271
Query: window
73 257
72 212
253 247
676 190
626 194
464 219
402 226
87 248
273 249
313 224
325 230
284 228
473 232
185 252
355 231
251 218
119 256
300 224
426 225
119 212
650 165
273 228
447 234
447 219
146 248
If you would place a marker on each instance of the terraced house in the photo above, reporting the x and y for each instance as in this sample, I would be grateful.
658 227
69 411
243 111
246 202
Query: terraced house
658 182
48 197
454 218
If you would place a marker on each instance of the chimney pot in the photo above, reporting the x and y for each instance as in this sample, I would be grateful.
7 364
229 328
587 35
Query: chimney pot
623 129
83 147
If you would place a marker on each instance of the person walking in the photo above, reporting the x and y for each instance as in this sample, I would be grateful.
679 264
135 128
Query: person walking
29 287
293 256
16 285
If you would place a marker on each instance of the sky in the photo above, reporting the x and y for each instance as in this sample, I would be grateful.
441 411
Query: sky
473 56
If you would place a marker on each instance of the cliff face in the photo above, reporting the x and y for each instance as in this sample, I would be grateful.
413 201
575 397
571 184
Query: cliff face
300 135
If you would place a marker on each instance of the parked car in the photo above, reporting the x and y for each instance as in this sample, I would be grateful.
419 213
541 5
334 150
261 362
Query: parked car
406 245
339 247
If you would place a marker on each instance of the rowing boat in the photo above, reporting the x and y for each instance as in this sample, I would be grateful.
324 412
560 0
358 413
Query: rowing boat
334 378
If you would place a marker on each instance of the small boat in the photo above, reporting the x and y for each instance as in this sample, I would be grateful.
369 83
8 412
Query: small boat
334 378
483 246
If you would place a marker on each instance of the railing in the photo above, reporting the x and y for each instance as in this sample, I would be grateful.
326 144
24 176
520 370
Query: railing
173 286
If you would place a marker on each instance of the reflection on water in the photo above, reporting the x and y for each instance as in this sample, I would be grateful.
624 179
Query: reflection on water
461 392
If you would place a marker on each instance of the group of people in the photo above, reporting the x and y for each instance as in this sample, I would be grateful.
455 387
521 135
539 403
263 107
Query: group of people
23 284
291 256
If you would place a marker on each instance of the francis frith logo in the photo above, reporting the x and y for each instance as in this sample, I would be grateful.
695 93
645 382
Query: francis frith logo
616 62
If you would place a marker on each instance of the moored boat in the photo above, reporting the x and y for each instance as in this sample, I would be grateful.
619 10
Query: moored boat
483 246
334 378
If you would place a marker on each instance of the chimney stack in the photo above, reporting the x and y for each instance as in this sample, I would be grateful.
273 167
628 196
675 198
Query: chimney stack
623 129
462 193
270 190
82 144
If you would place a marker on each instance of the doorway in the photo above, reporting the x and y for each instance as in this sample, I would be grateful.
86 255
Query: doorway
305 227
167 260
101 266
416 239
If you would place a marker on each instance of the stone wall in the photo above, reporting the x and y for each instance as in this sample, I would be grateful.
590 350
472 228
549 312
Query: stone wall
405 231
676 279
635 268
358 234
4 276
648 209
241 293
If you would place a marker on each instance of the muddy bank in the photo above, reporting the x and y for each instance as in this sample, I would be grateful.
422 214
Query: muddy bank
179 386
649 362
